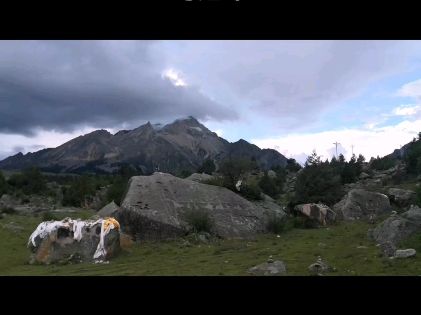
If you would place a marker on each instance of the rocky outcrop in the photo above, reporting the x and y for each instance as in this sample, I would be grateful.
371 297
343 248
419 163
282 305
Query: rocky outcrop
364 176
74 241
360 204
108 211
320 213
163 206
272 174
196 177
397 228
401 197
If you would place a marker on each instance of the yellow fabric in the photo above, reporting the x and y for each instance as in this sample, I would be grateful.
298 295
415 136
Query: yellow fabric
110 220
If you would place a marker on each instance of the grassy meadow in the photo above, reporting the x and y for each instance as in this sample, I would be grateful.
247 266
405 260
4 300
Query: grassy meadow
347 250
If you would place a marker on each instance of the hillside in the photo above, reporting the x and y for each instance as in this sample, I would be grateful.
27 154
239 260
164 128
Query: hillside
180 146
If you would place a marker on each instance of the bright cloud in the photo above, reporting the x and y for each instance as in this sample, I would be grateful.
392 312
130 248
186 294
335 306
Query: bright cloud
370 143
219 132
174 77
407 110
412 89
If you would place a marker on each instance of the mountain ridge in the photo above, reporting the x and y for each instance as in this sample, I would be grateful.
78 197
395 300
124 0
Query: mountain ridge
175 147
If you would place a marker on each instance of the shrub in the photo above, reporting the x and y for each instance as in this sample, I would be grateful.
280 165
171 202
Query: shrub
8 210
275 224
214 181
208 167
49 216
268 186
251 192
200 221
303 222
4 186
185 174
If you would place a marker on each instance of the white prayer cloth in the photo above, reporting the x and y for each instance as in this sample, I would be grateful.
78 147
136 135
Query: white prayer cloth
45 228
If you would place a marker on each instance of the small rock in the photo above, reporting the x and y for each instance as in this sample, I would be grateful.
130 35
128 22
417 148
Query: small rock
186 244
269 269
388 249
361 247
319 266
270 260
405 253
322 245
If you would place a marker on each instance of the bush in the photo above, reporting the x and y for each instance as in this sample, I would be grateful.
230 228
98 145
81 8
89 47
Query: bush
293 166
117 190
200 221
4 186
250 192
302 222
75 194
275 224
268 186
232 170
208 167
8 210
185 174
49 216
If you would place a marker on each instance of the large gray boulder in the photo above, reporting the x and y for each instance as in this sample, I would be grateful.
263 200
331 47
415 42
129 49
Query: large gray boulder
401 197
197 177
360 204
319 213
163 206
397 228
109 210
74 241
364 176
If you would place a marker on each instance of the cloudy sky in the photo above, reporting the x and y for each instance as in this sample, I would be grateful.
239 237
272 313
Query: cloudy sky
292 96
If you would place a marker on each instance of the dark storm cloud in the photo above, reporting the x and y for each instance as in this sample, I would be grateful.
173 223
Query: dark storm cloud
295 82
27 148
62 85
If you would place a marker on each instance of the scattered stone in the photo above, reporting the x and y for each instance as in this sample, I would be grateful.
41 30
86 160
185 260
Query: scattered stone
322 245
388 249
405 253
362 247
272 174
277 267
364 176
186 244
319 267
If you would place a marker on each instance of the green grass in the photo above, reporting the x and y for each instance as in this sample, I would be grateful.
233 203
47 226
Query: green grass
297 248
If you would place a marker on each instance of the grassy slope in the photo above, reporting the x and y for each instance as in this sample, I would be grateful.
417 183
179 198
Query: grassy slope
296 248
